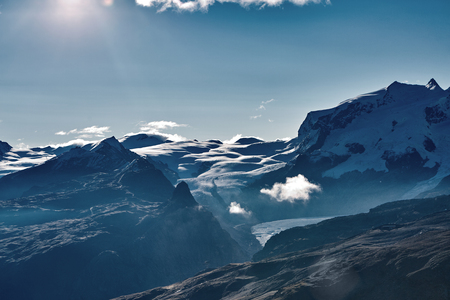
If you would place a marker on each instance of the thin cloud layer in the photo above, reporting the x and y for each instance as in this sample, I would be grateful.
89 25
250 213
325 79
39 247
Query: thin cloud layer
295 189
203 5
88 132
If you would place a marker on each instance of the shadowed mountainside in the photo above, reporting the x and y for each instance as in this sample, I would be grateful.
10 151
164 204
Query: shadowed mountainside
410 261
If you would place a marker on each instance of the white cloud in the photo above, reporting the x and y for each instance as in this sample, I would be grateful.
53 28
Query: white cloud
235 208
255 117
295 188
203 5
21 146
159 125
234 139
155 127
87 132
261 107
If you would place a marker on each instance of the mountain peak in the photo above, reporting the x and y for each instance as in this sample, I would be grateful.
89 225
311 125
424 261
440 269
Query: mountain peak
4 147
182 196
433 85
112 141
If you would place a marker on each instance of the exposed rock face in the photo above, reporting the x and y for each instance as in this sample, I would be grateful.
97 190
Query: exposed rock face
115 227
409 261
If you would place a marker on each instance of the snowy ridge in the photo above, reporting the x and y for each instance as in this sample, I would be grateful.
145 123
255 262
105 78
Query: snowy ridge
16 160
215 165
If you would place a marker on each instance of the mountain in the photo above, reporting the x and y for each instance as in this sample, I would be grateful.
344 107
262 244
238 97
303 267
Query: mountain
104 156
4 147
13 160
391 214
393 261
386 145
101 222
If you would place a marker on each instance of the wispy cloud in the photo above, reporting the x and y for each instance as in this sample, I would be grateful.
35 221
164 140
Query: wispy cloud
88 132
235 208
203 5
262 106
268 101
295 189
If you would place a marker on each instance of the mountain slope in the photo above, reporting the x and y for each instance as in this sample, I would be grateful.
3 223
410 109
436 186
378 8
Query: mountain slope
408 262
103 222
341 228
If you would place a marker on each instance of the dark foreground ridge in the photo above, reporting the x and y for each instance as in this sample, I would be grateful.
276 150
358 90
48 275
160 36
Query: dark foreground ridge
337 229
411 261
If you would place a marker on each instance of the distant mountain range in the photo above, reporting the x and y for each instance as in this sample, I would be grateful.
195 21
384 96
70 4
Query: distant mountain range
112 208
386 145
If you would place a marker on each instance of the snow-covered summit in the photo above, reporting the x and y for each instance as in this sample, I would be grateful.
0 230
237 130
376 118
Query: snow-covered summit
369 130
107 154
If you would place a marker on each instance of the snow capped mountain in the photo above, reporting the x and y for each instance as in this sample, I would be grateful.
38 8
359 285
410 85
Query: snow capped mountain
217 171
383 146
372 132
399 131
104 156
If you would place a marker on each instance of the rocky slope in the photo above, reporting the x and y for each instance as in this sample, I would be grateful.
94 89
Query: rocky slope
409 261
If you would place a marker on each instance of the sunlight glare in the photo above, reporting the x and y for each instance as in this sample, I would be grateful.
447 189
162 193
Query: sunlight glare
70 9
108 3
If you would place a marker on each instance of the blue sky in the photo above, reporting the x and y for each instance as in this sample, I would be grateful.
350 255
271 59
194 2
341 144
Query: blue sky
93 68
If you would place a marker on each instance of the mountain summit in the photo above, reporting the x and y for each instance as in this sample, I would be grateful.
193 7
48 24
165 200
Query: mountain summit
182 196
433 85
4 147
